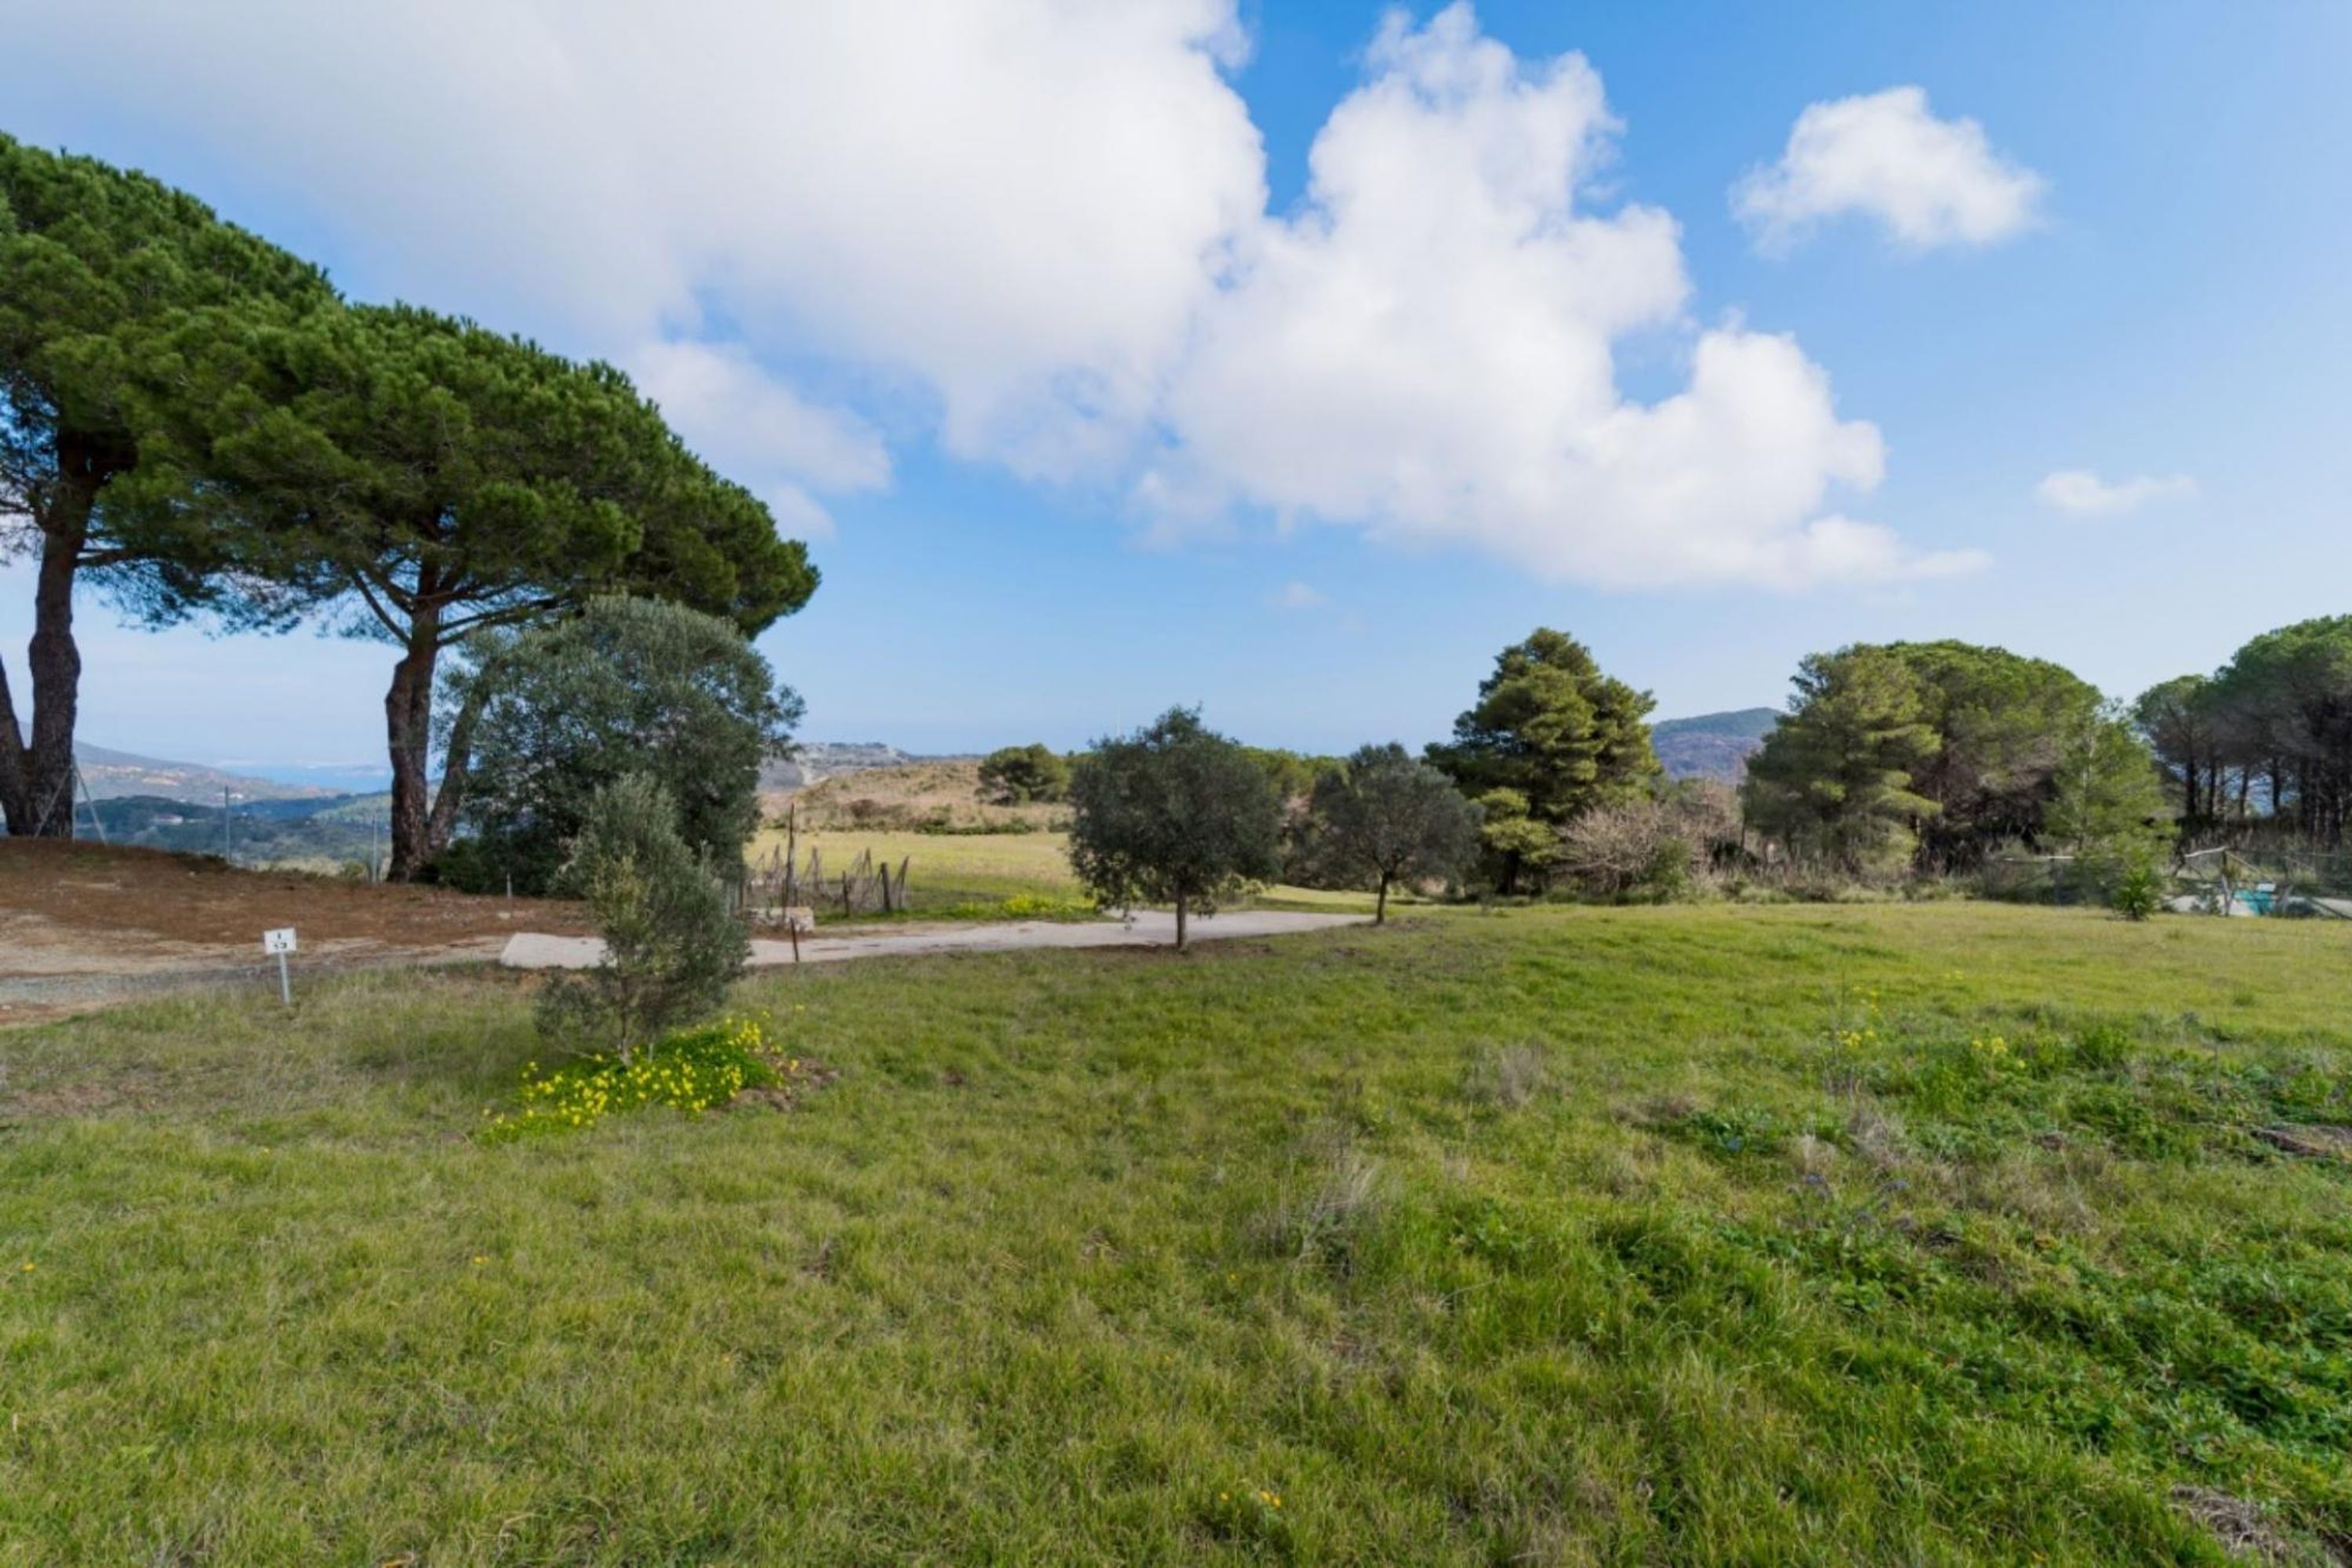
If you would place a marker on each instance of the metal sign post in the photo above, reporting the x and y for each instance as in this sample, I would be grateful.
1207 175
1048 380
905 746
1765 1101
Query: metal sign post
280 942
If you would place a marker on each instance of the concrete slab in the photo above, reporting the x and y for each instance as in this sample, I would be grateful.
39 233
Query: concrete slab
533 949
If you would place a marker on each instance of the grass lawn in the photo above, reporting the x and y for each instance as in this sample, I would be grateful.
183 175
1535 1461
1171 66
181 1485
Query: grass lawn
951 874
1932 1234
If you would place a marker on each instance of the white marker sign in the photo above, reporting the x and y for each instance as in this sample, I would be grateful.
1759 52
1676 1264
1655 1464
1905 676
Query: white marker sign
280 942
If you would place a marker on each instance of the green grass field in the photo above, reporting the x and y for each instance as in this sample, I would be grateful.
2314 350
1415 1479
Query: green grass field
949 872
972 876
1929 1234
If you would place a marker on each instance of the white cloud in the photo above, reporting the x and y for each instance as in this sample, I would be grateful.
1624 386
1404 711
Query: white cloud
1299 596
761 432
737 416
1930 182
1005 209
1427 350
2082 493
1037 228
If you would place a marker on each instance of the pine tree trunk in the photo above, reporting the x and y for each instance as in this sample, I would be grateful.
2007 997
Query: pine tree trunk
1380 906
1180 922
55 663
15 784
408 730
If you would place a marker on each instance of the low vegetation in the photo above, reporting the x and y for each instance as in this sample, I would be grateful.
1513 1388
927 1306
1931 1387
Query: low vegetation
1959 1233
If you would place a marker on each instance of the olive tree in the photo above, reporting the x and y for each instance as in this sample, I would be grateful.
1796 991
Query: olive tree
1174 814
630 686
1384 818
671 946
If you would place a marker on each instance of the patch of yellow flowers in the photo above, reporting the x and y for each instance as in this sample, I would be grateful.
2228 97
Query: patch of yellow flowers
1857 1029
692 1071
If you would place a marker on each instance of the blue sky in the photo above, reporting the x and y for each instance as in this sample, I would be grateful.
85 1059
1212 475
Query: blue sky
1065 471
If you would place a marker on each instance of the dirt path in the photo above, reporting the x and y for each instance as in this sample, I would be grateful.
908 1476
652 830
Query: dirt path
531 949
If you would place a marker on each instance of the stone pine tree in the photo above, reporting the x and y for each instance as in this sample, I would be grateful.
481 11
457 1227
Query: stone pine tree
111 288
1174 813
1550 725
1999 720
1384 818
428 480
1833 782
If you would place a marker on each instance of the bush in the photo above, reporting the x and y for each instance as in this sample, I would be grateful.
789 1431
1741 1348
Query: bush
545 719
1651 849
2138 892
671 946
1021 776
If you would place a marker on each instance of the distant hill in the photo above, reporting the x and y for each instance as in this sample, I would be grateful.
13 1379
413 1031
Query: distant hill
814 762
334 829
111 775
1712 745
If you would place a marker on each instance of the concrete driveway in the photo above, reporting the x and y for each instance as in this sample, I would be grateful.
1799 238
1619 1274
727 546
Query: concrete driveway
531 949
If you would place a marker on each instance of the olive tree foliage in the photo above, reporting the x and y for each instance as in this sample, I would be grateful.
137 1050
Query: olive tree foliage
628 686
1833 783
119 296
1550 725
1024 775
1174 814
1383 818
423 480
671 945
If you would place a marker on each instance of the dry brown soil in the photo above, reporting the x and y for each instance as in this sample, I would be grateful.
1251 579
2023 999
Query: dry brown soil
82 922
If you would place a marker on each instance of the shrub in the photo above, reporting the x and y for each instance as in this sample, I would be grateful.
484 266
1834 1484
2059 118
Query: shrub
2138 892
1653 849
1019 775
671 947
630 686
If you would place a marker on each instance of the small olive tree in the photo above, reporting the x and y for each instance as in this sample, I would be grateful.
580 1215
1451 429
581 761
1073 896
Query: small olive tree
1383 818
1019 775
671 946
1174 814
